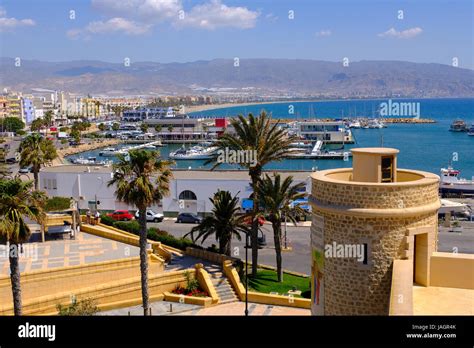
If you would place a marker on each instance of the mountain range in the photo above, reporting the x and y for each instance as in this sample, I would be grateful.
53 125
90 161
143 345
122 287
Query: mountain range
285 77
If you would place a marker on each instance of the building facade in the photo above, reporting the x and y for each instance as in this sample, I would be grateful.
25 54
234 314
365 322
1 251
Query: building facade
189 190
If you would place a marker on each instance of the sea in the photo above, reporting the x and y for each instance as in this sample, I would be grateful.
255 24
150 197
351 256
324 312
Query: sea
427 147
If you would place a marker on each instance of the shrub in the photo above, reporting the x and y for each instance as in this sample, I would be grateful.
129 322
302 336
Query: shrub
57 203
129 226
191 282
87 306
107 220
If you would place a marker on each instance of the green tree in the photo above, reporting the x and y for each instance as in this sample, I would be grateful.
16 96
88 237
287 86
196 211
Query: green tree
268 143
141 180
116 127
102 127
224 222
170 128
76 135
11 124
48 118
17 201
144 127
36 151
276 197
158 128
37 125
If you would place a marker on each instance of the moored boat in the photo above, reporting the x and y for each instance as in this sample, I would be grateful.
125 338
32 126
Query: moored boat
458 126
451 183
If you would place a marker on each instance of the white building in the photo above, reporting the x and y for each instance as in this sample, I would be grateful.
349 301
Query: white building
329 132
189 190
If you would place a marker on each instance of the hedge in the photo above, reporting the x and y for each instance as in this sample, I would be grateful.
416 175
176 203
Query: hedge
57 203
153 233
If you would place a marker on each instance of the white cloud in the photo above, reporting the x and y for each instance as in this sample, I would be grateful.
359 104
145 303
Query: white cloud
12 23
152 11
404 34
135 17
271 17
321 33
117 24
113 25
215 14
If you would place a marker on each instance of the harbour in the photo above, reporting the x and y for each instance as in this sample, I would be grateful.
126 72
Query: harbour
416 139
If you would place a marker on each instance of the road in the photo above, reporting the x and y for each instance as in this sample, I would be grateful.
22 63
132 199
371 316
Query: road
299 258
298 237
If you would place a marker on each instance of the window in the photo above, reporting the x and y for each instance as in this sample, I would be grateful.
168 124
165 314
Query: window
387 169
366 254
188 195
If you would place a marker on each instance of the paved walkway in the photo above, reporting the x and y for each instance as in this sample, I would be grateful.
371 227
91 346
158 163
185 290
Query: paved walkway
157 308
434 300
86 248
234 308
255 309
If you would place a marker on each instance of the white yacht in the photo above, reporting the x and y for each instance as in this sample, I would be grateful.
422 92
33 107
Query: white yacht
195 152
451 183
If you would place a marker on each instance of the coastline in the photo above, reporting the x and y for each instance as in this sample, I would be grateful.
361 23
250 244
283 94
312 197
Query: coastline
199 108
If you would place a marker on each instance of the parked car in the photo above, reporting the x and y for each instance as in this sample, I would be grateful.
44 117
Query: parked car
248 220
189 218
151 216
25 170
121 215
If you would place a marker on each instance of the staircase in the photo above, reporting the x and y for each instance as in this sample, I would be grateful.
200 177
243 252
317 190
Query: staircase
221 284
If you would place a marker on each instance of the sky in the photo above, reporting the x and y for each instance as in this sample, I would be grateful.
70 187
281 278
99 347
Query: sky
428 31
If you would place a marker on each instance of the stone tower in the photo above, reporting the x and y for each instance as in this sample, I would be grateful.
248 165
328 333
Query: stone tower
364 218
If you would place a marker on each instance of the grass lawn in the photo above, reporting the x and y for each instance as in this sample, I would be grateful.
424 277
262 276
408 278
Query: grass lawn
266 282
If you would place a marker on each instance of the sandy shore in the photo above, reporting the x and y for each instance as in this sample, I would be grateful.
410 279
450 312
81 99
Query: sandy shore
197 108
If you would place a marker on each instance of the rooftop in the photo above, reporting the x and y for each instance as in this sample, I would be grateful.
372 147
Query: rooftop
179 173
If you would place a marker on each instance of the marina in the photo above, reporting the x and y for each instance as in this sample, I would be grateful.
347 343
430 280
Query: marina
416 139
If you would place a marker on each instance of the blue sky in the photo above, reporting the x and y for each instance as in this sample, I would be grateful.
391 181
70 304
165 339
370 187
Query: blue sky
184 30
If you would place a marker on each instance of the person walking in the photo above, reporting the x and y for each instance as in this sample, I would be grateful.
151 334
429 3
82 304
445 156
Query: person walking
88 216
97 217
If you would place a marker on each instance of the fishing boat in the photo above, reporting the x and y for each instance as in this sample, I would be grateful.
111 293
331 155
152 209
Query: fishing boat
451 183
458 126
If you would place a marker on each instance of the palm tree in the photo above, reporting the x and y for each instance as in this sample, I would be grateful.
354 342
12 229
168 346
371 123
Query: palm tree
224 222
136 184
18 200
36 151
276 197
48 119
269 143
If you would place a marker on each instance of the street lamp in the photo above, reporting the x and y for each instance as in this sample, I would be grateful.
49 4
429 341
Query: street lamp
246 274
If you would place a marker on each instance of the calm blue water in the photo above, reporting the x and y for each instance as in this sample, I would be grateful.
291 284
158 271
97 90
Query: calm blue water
423 147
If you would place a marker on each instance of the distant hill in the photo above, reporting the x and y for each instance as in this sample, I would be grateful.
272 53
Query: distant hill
259 76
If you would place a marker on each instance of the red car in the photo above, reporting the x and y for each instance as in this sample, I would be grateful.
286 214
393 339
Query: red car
121 215
248 220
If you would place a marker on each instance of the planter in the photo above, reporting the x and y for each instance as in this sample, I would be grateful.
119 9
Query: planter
200 301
